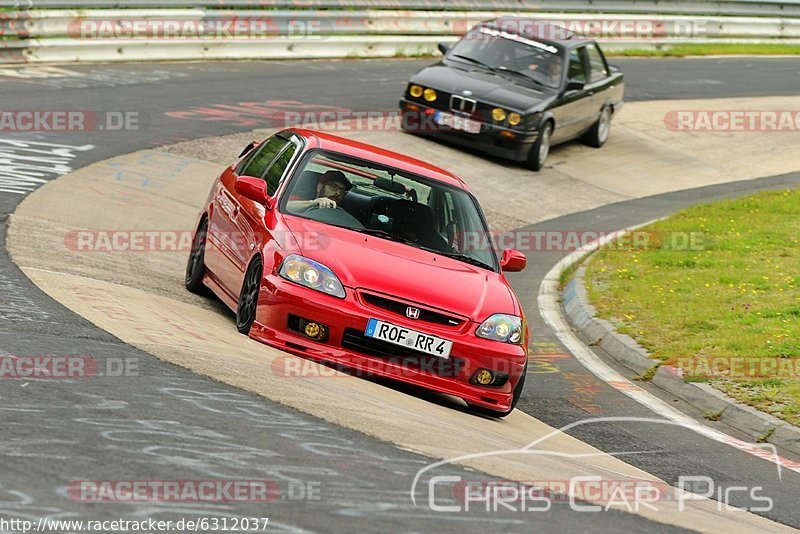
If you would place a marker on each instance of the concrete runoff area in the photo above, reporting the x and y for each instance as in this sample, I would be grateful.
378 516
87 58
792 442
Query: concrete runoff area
139 297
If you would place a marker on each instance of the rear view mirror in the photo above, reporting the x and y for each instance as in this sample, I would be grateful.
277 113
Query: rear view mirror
513 261
443 48
255 189
388 185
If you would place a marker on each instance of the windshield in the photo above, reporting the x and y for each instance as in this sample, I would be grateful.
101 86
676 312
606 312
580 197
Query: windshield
502 51
390 204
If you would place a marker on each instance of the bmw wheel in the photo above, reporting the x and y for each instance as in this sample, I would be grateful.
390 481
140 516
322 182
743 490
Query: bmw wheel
598 135
541 148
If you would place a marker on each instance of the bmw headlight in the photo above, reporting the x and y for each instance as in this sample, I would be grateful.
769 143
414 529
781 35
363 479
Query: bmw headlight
501 327
310 273
499 114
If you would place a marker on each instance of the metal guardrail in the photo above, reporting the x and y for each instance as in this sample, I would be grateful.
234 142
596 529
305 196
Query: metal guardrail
36 35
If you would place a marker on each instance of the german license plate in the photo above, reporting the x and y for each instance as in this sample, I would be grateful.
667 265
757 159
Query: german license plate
457 122
411 339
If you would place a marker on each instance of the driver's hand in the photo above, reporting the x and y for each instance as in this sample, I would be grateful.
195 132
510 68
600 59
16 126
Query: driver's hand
324 202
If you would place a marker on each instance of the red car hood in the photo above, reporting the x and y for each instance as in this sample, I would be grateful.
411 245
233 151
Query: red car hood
368 262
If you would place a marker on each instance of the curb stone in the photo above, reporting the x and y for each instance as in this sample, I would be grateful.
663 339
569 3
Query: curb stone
759 426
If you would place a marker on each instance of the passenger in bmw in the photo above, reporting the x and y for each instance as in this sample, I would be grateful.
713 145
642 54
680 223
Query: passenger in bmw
330 189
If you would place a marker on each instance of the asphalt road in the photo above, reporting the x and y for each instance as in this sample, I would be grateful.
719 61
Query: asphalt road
169 424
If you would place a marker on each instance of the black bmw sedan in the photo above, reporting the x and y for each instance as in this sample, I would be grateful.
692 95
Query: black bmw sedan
512 88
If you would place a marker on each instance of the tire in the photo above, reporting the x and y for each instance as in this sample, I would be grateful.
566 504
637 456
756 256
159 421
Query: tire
541 148
248 297
598 134
480 410
196 266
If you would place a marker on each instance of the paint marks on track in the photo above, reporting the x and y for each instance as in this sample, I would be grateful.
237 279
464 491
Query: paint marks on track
25 165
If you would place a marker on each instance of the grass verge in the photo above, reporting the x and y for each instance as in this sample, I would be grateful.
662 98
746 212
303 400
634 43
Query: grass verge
715 290
711 49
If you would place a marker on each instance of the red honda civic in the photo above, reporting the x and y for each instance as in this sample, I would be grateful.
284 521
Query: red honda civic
368 260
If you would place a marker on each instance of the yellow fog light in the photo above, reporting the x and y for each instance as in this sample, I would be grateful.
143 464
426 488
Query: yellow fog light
484 377
430 95
514 119
415 91
499 114
313 330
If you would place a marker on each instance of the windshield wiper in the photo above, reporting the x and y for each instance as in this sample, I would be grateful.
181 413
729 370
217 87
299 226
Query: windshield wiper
466 259
386 235
476 61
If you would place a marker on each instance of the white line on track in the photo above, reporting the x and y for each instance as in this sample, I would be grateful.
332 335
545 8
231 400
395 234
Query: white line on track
550 309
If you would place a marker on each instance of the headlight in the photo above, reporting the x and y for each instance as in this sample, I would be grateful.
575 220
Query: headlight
311 274
499 114
501 327
430 95
415 91
514 119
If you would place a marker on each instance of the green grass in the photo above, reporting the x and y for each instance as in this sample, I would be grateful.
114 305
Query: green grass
733 293
711 49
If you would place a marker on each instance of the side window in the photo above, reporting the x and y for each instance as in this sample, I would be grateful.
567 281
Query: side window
277 169
597 65
577 66
259 159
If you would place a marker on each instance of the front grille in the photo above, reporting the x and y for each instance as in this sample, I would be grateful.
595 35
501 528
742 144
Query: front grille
355 340
462 104
395 306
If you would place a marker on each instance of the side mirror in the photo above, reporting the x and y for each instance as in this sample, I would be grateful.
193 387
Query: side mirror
248 148
443 48
255 189
513 261
574 85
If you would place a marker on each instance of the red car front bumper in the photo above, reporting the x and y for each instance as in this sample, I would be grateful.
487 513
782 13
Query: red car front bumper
346 320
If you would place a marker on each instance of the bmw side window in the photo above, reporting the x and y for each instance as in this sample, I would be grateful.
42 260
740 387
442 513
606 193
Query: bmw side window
276 170
262 156
597 65
577 67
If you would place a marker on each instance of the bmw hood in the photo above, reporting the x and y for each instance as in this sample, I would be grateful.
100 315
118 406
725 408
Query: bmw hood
483 86
372 263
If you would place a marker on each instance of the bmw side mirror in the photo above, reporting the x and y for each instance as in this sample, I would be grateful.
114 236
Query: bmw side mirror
443 48
574 85
255 189
513 261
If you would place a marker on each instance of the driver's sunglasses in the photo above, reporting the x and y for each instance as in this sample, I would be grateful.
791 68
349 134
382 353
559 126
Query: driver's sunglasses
336 187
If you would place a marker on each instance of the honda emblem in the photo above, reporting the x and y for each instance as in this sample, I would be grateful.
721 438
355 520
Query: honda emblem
412 313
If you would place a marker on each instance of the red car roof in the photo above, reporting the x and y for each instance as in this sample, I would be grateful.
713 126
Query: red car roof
379 155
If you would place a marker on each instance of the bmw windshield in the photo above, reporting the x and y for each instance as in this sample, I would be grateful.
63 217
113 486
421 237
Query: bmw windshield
391 204
503 52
